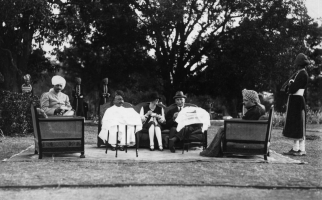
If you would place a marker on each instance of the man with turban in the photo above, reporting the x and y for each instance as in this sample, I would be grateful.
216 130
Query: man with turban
254 111
295 122
55 102
26 86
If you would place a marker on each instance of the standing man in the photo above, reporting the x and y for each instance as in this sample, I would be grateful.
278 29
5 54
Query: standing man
295 124
171 116
78 97
104 92
26 86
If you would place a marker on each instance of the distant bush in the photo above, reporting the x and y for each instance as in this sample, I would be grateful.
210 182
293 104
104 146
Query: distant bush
16 115
312 117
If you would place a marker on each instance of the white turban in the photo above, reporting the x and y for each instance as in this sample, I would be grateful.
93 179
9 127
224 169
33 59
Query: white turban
58 80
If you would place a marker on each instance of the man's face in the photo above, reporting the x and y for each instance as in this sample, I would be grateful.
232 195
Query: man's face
118 101
27 82
180 101
247 103
58 88
78 81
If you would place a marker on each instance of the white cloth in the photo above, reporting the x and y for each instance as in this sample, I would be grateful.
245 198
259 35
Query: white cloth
193 115
58 80
120 116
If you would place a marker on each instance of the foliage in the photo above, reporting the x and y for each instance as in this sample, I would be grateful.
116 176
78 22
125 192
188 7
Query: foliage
16 115
259 53
22 22
312 117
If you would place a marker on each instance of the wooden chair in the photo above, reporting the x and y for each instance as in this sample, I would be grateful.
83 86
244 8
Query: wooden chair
248 137
58 134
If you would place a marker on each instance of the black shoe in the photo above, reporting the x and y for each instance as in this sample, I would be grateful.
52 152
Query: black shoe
121 148
291 152
113 149
160 148
171 146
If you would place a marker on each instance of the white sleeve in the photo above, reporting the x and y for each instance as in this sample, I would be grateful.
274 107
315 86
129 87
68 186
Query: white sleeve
143 118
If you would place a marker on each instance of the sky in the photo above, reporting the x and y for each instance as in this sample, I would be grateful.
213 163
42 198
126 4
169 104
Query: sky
314 8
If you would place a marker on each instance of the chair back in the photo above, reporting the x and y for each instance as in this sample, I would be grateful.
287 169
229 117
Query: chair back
270 123
175 105
34 117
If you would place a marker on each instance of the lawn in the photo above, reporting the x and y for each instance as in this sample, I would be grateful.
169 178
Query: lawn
194 173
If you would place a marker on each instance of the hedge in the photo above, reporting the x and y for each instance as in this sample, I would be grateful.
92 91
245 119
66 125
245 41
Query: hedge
16 116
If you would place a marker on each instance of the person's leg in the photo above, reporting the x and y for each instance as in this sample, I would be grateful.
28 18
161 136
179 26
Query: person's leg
173 139
296 145
159 137
214 149
301 151
151 137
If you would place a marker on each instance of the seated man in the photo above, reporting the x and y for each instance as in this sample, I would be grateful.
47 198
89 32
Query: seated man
254 111
172 124
55 102
119 116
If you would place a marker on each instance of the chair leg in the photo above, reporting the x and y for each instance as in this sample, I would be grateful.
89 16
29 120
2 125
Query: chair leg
108 135
136 142
126 139
116 145
184 135
265 157
82 154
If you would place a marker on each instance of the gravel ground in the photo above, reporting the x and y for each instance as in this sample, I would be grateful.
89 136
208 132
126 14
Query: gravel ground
250 175
159 193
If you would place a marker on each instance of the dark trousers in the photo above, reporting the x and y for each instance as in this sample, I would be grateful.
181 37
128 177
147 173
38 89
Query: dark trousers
187 130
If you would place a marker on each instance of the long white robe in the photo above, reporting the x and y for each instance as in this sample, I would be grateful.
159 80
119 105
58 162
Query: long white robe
115 119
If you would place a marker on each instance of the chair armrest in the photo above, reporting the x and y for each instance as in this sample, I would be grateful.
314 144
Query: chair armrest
246 121
60 119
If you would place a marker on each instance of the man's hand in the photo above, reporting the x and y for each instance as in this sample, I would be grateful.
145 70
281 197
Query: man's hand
175 115
149 113
58 111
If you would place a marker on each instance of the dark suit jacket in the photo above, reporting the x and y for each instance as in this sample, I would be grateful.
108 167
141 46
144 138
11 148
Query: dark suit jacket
169 117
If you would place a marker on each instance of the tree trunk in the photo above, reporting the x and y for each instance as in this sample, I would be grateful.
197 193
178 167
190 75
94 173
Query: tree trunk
9 71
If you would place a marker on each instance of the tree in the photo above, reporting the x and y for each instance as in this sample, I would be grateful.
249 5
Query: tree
259 53
182 32
22 22
106 43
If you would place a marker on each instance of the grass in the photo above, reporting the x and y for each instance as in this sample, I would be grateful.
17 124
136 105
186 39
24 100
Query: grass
218 173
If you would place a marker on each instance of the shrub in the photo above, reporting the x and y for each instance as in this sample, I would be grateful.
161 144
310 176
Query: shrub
278 119
312 117
16 115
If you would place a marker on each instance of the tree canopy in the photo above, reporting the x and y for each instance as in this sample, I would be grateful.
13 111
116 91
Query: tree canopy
202 47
